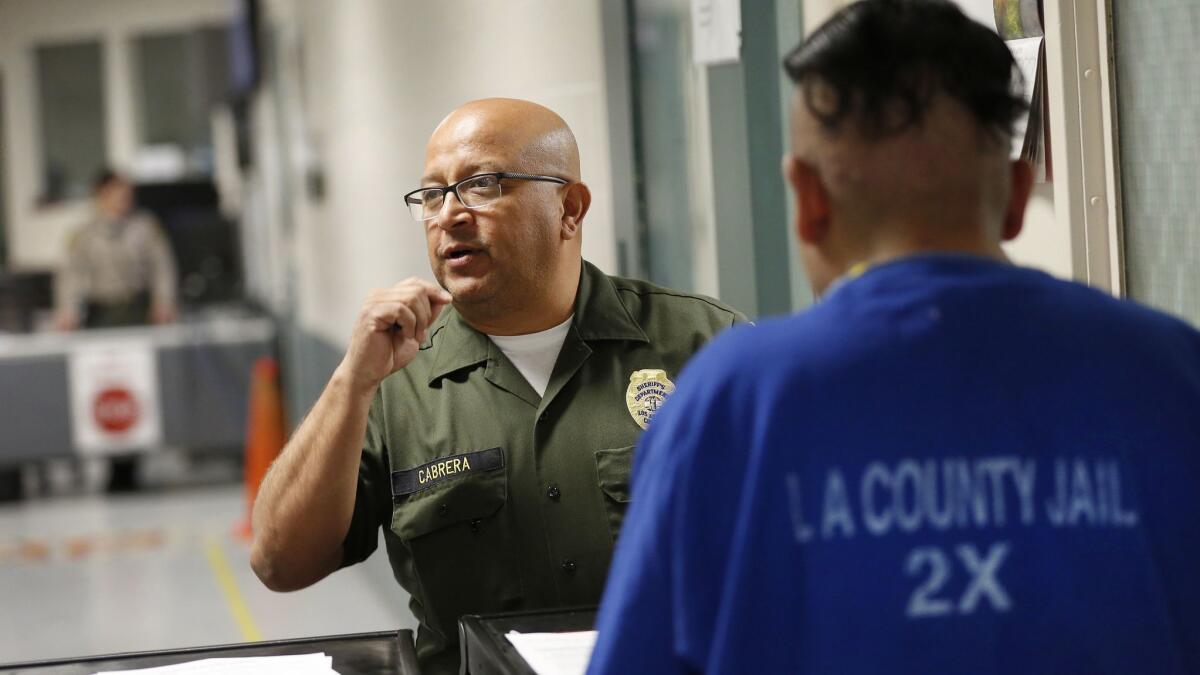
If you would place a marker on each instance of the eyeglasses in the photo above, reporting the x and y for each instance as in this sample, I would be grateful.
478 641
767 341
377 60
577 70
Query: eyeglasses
475 191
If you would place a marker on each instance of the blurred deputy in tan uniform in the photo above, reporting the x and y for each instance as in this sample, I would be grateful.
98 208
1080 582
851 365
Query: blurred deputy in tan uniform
486 423
119 269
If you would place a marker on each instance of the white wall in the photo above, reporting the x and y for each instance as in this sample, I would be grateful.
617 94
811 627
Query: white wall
1045 241
379 76
36 235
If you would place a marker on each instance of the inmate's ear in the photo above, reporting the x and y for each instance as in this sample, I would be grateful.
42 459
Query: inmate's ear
1022 186
811 197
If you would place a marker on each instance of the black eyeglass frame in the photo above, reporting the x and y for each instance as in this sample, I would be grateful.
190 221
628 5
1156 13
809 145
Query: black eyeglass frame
500 175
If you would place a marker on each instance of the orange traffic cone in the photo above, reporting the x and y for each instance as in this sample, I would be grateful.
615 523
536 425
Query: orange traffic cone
265 431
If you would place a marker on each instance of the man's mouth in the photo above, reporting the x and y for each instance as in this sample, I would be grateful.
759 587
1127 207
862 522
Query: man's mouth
460 256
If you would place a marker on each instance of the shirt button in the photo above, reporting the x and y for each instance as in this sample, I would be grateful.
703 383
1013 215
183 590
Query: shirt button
553 492
443 509
543 417
475 525
568 567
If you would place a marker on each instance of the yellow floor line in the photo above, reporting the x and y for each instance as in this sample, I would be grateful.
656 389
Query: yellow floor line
229 587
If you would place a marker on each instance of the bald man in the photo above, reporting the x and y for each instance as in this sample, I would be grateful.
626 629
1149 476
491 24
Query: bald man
950 464
486 422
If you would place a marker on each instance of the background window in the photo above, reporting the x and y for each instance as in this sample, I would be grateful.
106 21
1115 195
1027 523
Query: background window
744 135
180 76
70 84
3 184
662 66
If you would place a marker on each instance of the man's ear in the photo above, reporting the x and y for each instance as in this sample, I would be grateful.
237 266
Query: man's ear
812 199
1022 185
577 199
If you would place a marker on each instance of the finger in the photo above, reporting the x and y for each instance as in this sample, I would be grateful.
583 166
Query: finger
419 305
426 318
435 293
406 321
412 314
410 288
439 302
425 298
417 282
437 297
392 315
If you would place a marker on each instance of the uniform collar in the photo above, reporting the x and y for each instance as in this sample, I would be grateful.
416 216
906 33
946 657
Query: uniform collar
599 315
599 312
455 345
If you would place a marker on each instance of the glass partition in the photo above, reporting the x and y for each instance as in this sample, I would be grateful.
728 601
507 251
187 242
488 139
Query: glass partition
70 88
661 67
1158 94
179 77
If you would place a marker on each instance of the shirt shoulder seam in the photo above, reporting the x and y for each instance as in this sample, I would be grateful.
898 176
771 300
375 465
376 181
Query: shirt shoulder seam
671 294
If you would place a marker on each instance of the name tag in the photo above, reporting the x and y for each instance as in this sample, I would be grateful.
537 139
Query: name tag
447 468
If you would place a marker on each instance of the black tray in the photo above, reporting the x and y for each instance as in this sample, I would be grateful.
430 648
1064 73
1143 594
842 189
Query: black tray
485 650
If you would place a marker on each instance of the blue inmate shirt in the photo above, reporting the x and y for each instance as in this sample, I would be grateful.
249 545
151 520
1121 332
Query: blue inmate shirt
950 465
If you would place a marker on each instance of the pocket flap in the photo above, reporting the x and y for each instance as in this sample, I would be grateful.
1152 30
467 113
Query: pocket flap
612 471
475 496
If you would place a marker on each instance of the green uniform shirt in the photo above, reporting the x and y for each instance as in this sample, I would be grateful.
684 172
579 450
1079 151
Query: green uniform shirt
496 499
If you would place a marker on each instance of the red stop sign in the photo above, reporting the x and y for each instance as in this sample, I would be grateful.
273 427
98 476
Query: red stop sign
115 410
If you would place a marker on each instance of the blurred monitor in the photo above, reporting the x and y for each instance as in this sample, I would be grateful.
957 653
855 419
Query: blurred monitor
22 296
204 242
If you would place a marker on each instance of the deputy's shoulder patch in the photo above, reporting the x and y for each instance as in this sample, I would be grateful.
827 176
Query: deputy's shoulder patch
446 468
647 391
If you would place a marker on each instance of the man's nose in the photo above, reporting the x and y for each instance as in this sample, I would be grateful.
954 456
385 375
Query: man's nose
452 214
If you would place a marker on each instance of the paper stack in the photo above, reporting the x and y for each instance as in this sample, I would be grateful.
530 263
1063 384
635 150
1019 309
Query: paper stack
1030 140
1020 23
555 653
299 664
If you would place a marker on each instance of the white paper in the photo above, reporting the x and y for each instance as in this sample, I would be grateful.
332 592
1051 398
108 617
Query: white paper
1025 52
114 396
716 31
555 653
297 664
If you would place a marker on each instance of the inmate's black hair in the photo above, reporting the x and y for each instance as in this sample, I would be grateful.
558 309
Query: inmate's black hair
105 176
883 61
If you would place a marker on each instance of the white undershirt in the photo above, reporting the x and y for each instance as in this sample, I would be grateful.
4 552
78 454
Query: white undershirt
534 354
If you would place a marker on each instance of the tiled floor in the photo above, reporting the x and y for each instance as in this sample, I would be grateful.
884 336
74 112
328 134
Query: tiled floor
94 575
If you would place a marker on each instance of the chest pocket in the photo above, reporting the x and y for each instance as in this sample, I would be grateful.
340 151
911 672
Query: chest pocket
612 475
460 539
